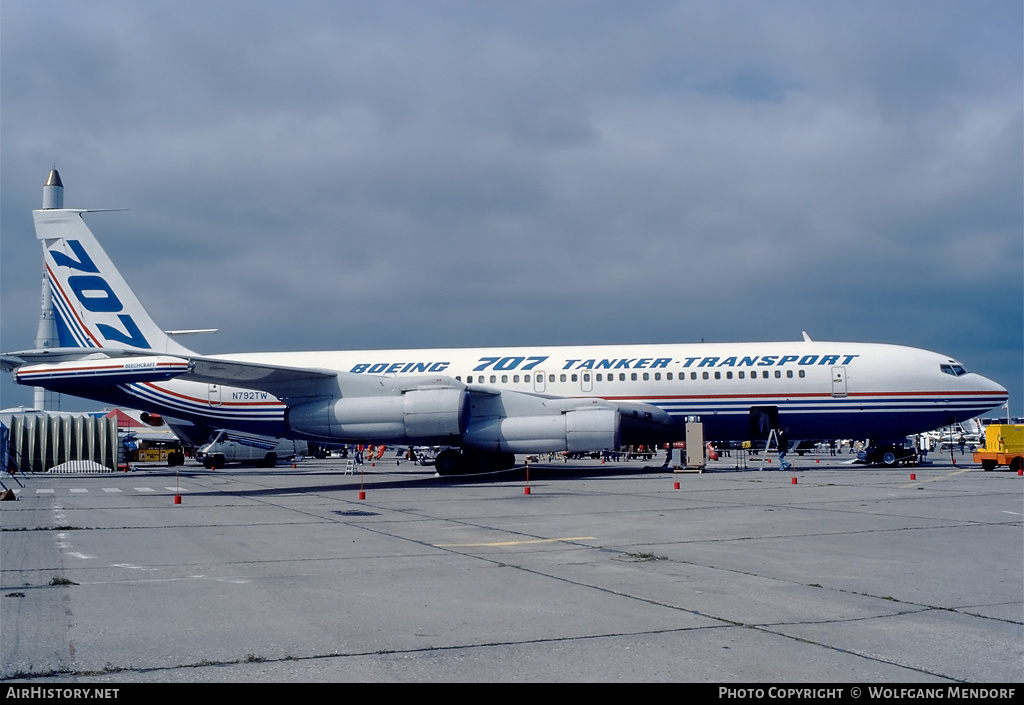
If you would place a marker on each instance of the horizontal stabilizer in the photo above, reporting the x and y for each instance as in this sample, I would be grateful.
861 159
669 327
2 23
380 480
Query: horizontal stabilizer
14 360
103 371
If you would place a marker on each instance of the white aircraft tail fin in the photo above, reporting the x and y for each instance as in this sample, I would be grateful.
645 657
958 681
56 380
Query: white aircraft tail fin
93 305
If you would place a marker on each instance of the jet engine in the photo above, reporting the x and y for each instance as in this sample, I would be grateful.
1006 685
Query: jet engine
416 416
574 430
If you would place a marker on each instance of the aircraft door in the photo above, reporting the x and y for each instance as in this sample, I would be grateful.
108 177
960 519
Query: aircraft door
538 381
587 381
213 395
761 421
839 381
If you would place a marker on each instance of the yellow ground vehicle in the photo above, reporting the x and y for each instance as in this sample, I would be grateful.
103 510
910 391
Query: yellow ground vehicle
1004 445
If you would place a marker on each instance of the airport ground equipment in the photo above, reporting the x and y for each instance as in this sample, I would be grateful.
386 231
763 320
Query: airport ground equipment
889 453
695 459
772 445
262 451
1004 445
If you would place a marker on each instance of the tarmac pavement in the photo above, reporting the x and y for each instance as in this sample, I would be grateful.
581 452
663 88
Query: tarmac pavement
603 572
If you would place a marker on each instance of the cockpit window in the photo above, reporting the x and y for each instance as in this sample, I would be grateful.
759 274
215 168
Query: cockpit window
955 370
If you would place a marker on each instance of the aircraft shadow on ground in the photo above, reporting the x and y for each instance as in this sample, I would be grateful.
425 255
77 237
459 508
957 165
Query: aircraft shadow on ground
420 478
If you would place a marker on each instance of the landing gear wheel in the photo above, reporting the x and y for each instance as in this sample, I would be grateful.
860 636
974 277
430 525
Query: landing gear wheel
448 462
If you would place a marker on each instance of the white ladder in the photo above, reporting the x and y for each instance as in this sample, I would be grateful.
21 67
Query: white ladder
772 435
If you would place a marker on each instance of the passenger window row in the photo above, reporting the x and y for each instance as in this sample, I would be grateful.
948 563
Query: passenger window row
633 376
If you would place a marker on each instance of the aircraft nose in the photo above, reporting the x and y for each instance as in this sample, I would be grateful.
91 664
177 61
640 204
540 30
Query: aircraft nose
996 386
993 390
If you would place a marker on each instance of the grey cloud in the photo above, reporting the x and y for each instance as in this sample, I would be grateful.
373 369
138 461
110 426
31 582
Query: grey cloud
413 174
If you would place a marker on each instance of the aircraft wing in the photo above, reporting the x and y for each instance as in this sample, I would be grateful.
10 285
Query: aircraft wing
292 383
282 382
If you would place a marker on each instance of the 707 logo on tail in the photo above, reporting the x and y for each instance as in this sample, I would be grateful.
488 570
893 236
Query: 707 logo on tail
95 295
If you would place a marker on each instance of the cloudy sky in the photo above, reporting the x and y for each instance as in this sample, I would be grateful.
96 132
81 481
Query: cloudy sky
320 175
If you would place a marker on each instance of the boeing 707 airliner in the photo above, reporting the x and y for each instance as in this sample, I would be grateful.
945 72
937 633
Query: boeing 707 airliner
484 404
